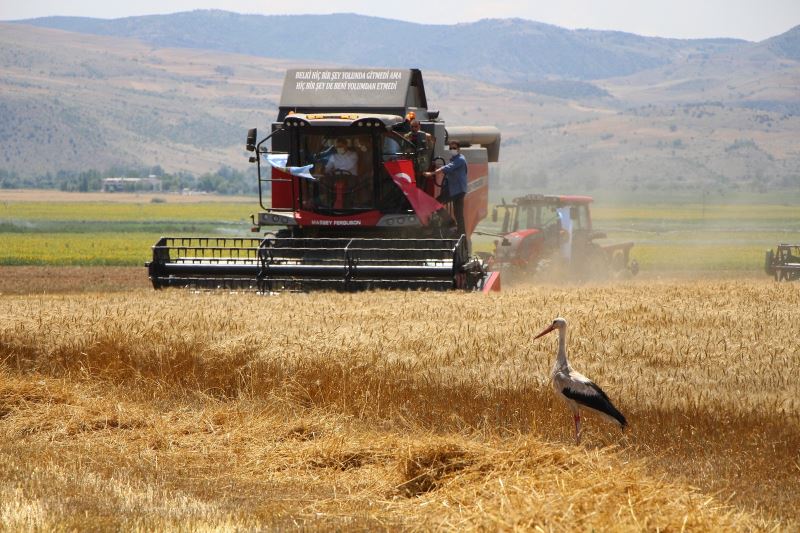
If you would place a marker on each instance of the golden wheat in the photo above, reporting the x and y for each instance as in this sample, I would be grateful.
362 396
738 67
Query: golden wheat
145 410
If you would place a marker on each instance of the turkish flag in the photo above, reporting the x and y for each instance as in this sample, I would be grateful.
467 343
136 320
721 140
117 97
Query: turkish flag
424 205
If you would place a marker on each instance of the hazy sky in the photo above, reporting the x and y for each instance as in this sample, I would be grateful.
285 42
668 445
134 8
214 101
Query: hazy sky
753 20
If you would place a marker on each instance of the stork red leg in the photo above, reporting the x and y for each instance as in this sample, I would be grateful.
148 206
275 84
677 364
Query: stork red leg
577 429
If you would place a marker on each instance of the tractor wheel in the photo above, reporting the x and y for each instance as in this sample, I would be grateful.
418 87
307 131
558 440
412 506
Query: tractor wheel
769 262
551 269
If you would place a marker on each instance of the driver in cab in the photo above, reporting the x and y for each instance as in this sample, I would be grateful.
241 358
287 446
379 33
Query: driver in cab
342 159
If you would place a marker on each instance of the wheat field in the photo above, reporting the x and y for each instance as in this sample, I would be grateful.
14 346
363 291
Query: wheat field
145 410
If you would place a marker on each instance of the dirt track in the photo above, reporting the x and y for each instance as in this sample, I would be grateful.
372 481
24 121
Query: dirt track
56 280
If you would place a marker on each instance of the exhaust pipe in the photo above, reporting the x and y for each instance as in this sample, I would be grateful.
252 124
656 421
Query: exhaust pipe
486 136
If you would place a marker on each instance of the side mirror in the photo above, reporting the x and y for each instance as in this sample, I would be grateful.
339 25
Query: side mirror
506 220
251 139
494 214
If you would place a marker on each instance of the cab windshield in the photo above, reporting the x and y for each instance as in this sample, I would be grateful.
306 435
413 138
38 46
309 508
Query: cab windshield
539 216
347 167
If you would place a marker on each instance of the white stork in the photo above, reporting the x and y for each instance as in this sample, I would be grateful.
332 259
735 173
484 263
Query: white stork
576 389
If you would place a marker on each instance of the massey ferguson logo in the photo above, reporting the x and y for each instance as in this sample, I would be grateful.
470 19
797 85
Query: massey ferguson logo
335 222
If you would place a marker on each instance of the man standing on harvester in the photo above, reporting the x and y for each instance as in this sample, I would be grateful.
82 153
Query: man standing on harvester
454 186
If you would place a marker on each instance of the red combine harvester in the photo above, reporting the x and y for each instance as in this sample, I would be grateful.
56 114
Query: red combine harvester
344 176
554 234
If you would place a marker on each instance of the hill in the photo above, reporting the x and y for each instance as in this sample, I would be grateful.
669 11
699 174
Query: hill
509 49
722 119
786 45
71 101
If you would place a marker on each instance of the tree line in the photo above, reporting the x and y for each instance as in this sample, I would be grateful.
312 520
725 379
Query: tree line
225 180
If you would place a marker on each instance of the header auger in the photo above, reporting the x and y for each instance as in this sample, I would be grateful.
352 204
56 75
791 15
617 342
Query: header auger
349 208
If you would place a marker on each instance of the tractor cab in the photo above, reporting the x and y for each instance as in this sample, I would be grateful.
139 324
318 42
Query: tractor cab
534 222
547 213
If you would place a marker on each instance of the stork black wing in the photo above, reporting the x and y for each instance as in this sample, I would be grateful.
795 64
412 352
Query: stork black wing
595 399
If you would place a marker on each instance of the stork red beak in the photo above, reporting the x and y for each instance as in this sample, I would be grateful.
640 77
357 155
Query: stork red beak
546 331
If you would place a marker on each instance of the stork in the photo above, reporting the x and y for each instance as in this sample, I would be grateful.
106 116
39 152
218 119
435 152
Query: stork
578 391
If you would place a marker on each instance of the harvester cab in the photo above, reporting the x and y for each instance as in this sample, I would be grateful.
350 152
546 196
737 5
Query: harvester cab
327 170
555 233
343 197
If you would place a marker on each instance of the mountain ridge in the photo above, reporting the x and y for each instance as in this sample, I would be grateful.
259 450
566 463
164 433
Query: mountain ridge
510 50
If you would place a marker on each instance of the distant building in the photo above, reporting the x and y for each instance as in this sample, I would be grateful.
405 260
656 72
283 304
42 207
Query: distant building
132 184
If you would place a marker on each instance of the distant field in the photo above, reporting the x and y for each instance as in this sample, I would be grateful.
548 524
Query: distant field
32 212
55 228
693 237
75 229
40 195
91 249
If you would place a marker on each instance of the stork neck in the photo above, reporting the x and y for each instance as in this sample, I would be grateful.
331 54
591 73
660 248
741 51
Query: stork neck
561 358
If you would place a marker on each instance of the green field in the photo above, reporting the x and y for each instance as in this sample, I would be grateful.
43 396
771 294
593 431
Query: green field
668 236
107 233
77 217
91 248
35 212
696 237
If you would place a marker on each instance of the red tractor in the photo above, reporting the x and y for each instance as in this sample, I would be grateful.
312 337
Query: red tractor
554 235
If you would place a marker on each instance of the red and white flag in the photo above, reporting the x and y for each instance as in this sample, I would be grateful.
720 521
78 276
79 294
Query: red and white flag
424 205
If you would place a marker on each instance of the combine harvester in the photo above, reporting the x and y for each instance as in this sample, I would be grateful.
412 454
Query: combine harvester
376 224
